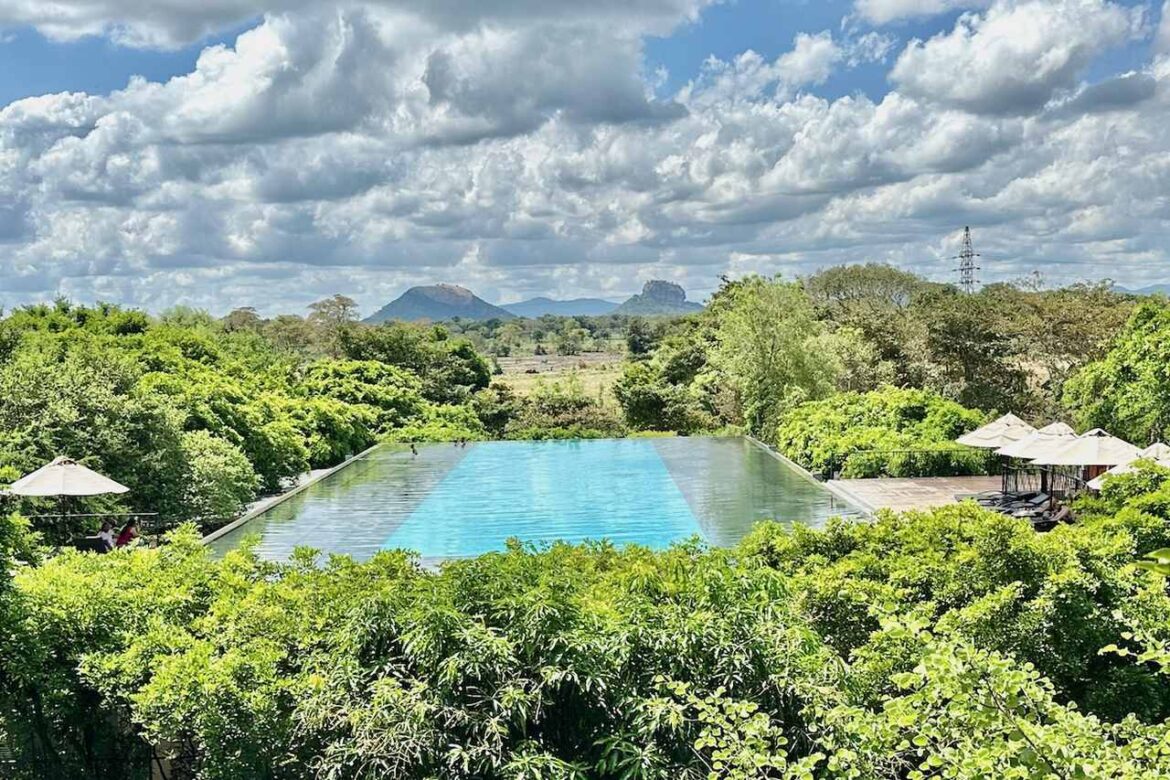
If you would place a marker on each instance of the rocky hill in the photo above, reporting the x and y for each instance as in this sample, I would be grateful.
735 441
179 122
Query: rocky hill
658 297
438 302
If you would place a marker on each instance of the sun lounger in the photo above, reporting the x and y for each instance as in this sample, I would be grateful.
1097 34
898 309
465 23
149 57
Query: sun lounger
91 544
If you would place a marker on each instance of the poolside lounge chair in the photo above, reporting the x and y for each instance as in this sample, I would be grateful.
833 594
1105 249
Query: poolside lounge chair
1049 520
91 544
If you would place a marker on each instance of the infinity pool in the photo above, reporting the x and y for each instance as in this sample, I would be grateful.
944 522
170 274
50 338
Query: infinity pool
451 501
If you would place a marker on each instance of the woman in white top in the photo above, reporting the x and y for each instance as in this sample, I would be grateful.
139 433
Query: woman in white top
107 534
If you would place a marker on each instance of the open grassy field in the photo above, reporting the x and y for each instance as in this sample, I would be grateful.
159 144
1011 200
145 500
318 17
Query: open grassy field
597 372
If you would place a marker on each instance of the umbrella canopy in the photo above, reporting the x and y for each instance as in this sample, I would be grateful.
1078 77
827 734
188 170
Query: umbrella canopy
998 433
1158 453
1037 442
1125 468
1094 448
64 477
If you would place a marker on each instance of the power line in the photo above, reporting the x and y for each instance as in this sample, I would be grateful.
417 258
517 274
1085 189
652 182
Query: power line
967 267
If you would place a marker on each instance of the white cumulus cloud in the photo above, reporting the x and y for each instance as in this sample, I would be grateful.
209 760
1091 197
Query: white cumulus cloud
1015 57
886 11
363 150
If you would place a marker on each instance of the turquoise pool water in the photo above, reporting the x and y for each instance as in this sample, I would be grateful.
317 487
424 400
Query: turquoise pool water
451 501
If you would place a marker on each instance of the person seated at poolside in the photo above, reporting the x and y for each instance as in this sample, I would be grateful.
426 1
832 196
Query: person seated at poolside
129 533
107 534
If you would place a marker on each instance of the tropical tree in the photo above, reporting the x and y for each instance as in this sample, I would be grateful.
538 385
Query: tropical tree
765 349
1128 391
330 317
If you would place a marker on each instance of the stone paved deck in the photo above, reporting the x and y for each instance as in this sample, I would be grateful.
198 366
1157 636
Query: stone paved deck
901 494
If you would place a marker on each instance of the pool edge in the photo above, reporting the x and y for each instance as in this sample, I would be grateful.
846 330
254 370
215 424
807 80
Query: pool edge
844 495
254 513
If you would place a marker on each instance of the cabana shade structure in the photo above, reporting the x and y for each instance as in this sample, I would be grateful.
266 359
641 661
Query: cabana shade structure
65 477
996 434
1094 448
1019 476
1035 443
1156 453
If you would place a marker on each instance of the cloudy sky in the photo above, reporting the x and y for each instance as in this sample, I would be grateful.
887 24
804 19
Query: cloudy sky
270 152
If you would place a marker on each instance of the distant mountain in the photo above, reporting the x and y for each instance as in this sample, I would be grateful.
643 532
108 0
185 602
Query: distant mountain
659 297
577 307
438 302
1153 289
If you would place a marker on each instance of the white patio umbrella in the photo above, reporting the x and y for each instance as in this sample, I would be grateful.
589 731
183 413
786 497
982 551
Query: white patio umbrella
1093 448
1158 453
1037 442
65 477
998 433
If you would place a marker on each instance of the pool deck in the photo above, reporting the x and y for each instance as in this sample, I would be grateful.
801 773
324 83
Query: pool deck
902 494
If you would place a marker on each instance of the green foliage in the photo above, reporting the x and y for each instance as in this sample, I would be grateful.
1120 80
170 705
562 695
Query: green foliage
562 410
950 643
219 481
648 403
450 369
392 393
81 398
887 432
442 423
1005 347
169 406
766 348
1157 561
641 338
763 346
1128 390
754 353
1049 598
496 406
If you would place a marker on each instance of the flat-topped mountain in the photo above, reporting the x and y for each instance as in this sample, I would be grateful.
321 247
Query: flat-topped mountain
437 302
658 297
577 307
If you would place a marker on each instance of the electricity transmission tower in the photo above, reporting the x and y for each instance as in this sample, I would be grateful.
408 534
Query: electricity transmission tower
967 267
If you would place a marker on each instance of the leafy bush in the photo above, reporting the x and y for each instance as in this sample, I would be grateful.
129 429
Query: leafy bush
495 406
950 642
450 369
650 403
1127 392
219 480
1050 599
887 432
121 392
392 393
561 410
442 423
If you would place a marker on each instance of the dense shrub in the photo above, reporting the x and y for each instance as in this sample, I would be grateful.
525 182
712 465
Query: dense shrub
219 481
1049 598
649 403
950 642
562 410
154 402
442 423
1127 392
450 368
887 432
392 393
